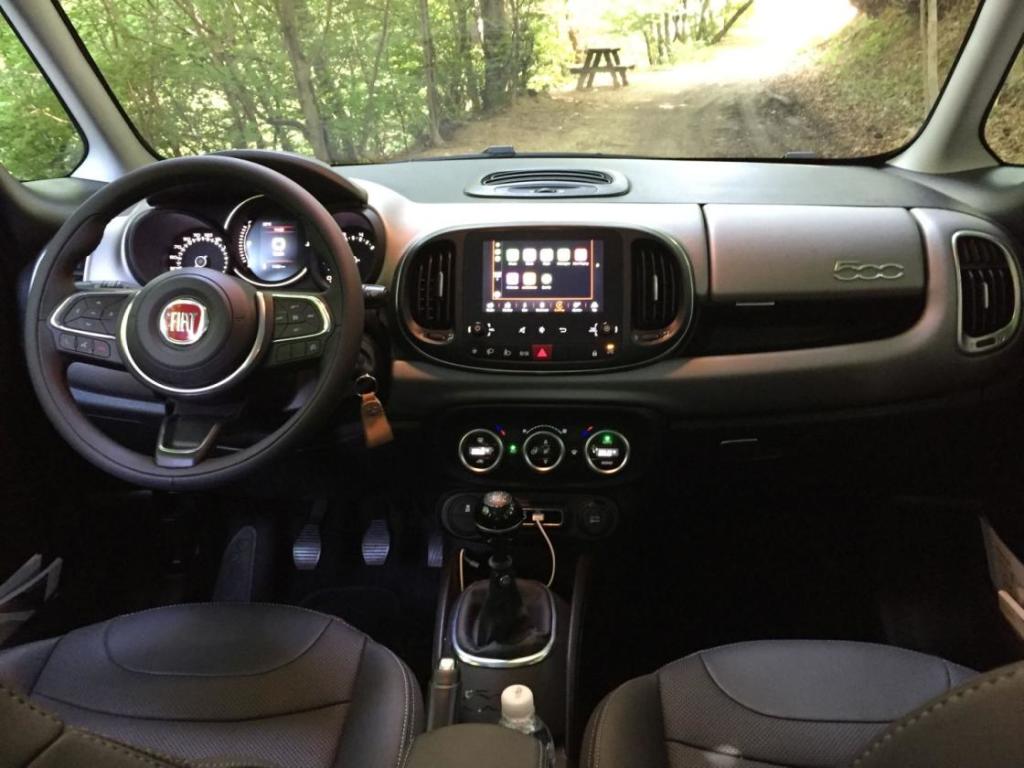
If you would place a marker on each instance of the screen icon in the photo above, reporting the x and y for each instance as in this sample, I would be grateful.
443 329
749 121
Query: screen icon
541 351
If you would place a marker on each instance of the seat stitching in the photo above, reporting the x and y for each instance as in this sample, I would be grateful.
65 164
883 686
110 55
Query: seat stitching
759 713
355 679
258 673
406 694
592 740
955 698
254 718
596 753
18 698
115 747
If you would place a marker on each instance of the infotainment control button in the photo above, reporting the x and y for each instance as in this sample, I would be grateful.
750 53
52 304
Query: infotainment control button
480 450
543 450
607 451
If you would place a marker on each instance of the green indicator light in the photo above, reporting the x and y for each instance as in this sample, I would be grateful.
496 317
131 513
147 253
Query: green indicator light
513 449
607 439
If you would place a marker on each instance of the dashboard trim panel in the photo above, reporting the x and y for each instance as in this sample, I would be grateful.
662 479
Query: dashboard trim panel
674 246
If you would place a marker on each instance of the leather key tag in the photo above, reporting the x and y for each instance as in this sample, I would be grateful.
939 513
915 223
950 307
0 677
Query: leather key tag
376 427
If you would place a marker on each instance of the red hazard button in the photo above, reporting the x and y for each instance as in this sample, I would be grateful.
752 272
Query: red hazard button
541 351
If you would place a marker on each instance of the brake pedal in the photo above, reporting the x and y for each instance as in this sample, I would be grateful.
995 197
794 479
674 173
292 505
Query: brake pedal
376 542
308 545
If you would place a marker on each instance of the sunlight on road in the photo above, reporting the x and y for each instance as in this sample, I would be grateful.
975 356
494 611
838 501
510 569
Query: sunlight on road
770 40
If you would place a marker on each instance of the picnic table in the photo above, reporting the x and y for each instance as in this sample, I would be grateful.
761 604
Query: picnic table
601 60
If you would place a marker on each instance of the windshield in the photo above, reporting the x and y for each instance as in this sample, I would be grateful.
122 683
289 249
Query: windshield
355 81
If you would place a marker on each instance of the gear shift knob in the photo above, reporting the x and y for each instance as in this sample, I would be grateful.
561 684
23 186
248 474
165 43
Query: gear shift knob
499 515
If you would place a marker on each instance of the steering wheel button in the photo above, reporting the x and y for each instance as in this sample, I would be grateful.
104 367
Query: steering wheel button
101 348
74 311
88 324
314 347
67 342
84 345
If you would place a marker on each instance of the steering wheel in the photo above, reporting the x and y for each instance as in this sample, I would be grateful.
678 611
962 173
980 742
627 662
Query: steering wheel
192 336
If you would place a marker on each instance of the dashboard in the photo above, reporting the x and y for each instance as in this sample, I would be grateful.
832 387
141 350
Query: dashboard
552 340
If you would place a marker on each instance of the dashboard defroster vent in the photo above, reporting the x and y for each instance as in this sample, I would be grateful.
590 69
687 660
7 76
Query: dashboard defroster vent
550 182
656 286
431 286
989 291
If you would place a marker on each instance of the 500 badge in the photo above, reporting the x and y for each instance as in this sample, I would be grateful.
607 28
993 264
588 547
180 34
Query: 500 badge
859 270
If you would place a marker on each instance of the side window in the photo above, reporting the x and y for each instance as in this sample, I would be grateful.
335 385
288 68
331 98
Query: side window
37 138
1004 131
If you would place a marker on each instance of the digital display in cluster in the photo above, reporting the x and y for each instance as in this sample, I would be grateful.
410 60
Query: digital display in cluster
560 276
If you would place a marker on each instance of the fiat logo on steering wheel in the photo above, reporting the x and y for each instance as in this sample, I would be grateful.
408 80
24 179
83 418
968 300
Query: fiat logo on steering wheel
183 321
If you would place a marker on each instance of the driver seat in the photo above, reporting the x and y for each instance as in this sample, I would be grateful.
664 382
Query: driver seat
228 683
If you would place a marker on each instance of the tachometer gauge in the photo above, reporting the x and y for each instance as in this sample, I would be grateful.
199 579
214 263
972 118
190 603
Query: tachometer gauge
202 249
363 247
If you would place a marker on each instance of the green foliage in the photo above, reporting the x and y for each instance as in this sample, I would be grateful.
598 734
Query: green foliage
37 140
199 75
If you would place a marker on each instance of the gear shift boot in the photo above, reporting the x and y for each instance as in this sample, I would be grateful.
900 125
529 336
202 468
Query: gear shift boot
489 625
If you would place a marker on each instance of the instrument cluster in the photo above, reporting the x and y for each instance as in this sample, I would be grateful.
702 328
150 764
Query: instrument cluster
257 240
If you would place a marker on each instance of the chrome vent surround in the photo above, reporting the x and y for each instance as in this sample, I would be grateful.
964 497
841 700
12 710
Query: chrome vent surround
657 286
430 282
988 283
550 182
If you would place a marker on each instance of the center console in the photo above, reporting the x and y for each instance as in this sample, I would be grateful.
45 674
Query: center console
546 298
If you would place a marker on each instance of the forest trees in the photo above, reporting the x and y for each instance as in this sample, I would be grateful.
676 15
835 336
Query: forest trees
344 80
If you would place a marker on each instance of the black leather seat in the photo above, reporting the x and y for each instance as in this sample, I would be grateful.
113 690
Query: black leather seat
239 683
805 704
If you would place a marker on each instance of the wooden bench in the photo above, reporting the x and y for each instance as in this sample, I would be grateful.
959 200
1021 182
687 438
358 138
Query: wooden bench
601 60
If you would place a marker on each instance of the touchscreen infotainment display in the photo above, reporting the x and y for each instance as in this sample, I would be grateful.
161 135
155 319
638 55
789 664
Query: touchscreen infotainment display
527 276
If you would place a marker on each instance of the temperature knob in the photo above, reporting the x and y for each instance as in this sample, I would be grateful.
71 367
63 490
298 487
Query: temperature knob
480 450
607 451
543 450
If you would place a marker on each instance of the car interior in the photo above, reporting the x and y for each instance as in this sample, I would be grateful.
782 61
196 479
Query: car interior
505 459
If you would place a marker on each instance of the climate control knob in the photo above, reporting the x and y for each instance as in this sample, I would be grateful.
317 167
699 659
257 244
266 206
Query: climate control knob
607 451
480 450
543 450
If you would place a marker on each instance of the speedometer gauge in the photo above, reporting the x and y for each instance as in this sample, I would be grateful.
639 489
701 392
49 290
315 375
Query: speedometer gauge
202 249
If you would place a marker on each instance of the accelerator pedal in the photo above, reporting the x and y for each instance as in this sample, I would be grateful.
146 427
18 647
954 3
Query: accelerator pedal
435 549
376 542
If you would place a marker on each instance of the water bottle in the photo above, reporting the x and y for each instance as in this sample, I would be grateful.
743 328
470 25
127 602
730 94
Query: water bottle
519 714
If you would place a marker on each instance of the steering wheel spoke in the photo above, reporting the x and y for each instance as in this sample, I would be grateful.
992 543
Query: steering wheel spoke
301 325
189 432
85 324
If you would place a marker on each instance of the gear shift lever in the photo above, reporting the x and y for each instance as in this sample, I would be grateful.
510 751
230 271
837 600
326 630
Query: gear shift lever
497 519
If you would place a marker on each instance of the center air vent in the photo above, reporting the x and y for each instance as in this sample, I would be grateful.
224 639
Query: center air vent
430 289
989 292
550 182
657 288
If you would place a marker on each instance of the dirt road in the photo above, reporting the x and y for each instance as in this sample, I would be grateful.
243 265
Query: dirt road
733 100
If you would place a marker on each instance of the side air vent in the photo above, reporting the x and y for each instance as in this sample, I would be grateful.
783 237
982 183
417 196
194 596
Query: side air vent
430 286
989 292
550 182
657 289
